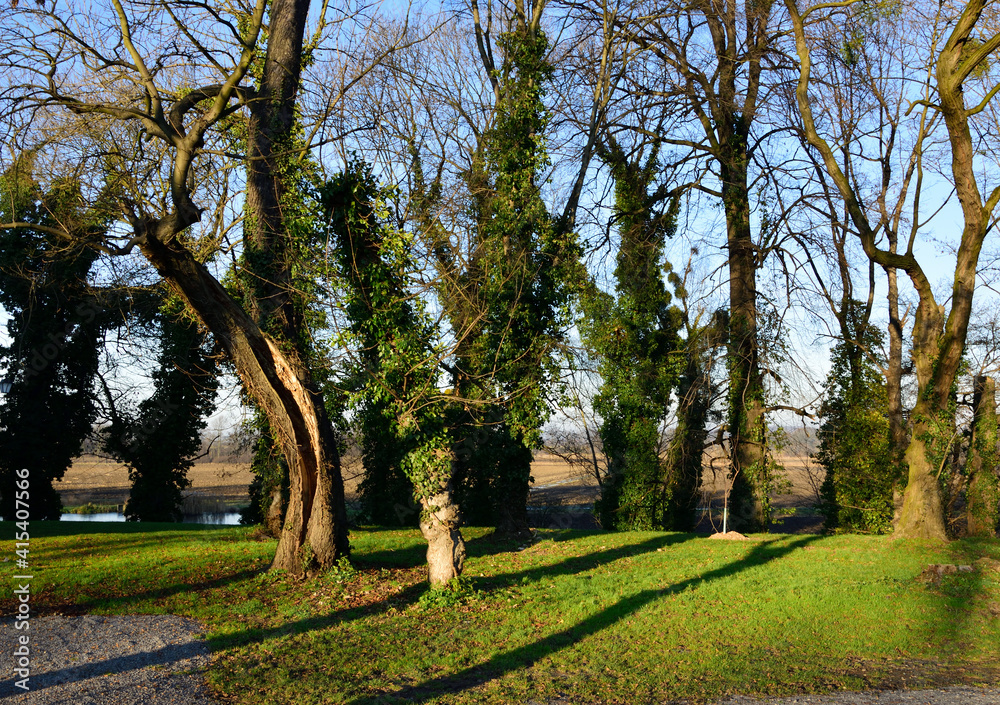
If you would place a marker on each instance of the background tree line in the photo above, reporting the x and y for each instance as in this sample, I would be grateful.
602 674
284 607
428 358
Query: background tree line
436 227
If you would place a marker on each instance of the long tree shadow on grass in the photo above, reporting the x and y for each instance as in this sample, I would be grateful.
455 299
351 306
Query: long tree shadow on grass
45 603
54 529
524 656
569 566
414 554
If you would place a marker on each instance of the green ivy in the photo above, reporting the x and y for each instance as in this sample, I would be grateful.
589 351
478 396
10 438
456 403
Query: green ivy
634 335
396 399
523 265
861 472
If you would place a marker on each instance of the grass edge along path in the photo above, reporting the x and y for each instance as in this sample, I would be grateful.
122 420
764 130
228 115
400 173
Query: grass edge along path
592 617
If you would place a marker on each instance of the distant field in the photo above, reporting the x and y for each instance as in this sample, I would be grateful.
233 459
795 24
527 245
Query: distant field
556 482
103 482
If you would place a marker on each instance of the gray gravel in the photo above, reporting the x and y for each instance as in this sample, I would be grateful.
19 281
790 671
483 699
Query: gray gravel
133 660
940 696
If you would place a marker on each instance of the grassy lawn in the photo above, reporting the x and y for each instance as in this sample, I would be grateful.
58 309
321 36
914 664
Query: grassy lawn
591 617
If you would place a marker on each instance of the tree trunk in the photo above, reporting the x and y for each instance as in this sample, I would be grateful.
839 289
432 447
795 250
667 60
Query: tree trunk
687 447
512 486
315 533
275 512
983 494
749 503
922 515
439 523
733 111
894 371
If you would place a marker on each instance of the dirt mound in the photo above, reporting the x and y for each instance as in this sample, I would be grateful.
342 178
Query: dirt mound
729 536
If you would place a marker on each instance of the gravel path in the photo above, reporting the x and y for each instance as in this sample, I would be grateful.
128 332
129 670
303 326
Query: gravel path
134 660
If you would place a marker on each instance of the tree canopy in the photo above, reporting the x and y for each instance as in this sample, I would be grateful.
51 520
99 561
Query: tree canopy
492 223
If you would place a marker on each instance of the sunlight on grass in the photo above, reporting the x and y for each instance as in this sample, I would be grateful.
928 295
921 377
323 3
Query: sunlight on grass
597 617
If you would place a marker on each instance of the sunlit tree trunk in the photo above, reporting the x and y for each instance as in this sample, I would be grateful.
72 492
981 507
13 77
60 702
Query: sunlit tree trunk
315 533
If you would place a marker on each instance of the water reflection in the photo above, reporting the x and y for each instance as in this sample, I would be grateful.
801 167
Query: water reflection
220 518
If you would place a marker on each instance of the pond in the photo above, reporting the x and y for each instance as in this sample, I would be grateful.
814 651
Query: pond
221 518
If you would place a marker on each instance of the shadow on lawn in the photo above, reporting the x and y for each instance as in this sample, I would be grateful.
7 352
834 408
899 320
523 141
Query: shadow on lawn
525 656
79 604
577 564
414 555
53 529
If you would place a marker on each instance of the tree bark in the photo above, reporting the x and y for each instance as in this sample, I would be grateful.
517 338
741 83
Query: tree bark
938 342
439 523
894 370
731 113
922 515
749 504
315 534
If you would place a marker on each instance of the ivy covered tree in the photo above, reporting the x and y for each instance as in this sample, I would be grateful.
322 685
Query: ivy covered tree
861 468
55 327
634 334
399 401
159 440
524 262
685 451
385 492
982 495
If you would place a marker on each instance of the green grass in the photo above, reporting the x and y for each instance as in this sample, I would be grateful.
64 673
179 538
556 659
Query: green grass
592 617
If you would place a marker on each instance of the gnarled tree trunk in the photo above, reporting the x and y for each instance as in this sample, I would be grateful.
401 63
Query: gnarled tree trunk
315 533
439 523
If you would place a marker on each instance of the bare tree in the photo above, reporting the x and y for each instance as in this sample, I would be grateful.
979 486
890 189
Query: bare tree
706 61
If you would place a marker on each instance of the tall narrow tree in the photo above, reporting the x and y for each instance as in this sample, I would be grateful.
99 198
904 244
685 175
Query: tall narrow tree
712 58
635 335
396 359
524 262
55 327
